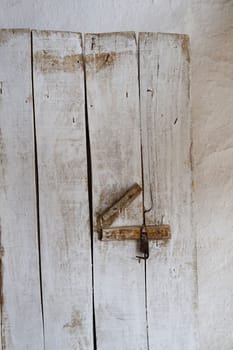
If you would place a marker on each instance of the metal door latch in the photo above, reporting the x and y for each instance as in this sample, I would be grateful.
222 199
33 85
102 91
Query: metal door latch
144 244
142 233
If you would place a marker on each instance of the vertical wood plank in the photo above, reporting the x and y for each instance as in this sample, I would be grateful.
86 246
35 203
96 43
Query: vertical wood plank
21 318
63 190
113 112
166 126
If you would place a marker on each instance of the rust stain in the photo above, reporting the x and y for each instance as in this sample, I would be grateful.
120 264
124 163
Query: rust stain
185 46
48 62
102 60
75 322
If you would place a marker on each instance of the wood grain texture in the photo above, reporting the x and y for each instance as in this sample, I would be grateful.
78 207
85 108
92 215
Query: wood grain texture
63 192
107 218
113 112
166 140
21 318
154 232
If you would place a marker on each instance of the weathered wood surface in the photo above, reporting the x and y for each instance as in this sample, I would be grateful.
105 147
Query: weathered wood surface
107 218
113 112
21 317
63 193
65 239
154 232
166 140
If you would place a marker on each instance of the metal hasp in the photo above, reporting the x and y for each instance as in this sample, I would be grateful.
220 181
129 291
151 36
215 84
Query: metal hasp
143 233
144 244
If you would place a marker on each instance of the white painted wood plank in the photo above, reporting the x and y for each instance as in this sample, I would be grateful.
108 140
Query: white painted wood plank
166 126
63 190
21 324
113 112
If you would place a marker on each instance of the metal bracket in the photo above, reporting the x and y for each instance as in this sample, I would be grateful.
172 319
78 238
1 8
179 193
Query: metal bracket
143 233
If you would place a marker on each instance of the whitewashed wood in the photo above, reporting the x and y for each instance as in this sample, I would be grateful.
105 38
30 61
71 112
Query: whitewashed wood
21 323
166 126
63 190
113 112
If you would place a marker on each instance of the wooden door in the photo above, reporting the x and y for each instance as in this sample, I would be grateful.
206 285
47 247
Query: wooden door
80 124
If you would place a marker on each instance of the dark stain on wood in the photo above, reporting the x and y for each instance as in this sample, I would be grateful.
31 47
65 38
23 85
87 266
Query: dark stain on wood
193 185
191 155
101 60
29 99
7 34
5 332
185 46
92 43
1 272
49 62
3 342
3 38
75 323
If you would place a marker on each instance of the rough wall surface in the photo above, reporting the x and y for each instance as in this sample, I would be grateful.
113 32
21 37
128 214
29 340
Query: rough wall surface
210 26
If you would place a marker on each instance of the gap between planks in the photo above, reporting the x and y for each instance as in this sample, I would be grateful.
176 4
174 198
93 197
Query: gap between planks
89 179
37 191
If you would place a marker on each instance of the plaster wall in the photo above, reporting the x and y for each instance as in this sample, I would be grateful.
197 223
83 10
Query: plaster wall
210 26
